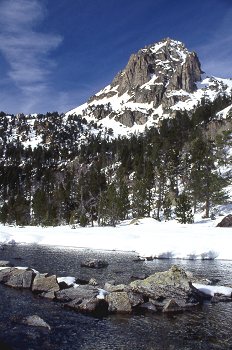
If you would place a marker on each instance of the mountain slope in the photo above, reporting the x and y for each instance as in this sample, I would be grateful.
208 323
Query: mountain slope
72 168
157 81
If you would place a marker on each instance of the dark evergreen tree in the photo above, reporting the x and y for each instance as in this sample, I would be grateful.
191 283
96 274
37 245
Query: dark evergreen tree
183 209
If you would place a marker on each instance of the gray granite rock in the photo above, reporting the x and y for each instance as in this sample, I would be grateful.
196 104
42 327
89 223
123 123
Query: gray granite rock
118 302
35 321
20 278
43 283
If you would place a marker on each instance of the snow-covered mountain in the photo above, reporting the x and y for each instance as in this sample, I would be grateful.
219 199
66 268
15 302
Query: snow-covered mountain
158 81
71 168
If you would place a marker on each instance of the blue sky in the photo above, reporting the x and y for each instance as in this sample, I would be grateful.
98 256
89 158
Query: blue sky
55 54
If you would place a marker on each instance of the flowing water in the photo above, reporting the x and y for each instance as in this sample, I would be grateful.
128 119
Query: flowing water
207 327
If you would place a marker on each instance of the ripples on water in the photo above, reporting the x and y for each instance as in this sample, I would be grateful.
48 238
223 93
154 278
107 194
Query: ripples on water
208 327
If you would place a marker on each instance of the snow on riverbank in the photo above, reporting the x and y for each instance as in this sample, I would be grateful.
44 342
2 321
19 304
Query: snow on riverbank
148 238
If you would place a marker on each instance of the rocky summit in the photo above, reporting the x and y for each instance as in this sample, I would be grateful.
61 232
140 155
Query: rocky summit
158 81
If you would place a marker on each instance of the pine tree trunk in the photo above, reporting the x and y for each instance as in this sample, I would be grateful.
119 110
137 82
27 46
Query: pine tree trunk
207 205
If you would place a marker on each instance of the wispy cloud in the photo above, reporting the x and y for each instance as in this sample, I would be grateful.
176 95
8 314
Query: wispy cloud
216 55
25 49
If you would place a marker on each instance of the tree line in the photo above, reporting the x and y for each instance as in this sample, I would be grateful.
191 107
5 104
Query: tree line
105 180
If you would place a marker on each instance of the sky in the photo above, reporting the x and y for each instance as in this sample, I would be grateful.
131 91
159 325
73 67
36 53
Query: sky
55 54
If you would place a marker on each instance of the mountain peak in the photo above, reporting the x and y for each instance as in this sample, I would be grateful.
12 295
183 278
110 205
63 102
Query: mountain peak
157 81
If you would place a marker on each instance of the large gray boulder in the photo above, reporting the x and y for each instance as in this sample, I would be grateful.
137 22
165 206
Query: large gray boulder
161 287
79 293
4 273
119 302
82 299
45 284
226 222
20 278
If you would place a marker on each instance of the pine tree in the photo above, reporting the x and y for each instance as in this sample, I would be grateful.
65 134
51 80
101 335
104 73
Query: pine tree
183 209
167 208
206 182
4 213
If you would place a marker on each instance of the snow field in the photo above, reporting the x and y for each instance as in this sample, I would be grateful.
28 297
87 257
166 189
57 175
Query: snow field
148 238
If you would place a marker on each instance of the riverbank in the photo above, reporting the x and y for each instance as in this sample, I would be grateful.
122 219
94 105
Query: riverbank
147 237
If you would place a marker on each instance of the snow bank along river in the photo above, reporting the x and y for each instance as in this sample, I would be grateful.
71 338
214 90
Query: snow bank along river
147 237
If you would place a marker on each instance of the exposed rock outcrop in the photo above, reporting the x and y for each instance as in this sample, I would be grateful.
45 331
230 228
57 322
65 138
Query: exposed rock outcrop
174 66
226 221
157 82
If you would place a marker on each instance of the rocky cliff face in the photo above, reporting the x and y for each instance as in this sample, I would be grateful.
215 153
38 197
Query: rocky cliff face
165 66
156 82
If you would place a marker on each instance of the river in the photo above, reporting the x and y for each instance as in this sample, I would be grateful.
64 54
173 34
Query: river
207 327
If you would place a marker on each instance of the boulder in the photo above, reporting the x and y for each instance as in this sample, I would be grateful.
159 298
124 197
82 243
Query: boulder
20 278
35 321
226 222
43 283
83 299
84 306
163 286
118 302
78 294
4 273
95 264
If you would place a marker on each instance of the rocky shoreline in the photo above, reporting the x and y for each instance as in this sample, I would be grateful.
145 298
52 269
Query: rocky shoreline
166 292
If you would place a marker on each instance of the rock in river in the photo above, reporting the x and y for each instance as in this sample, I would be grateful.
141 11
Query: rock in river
20 278
164 286
35 321
95 264
43 283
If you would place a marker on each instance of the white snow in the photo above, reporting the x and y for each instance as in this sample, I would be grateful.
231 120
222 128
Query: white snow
157 47
101 293
68 280
224 113
212 290
149 238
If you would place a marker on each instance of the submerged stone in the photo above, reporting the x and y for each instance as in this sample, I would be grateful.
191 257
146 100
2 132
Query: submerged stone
35 321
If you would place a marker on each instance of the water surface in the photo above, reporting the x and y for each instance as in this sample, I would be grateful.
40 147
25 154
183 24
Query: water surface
207 327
